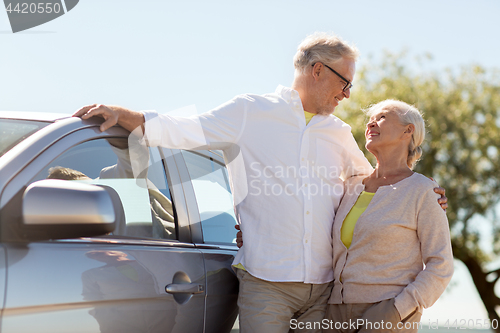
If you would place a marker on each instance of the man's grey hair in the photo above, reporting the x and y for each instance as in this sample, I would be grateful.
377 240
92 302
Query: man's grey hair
325 48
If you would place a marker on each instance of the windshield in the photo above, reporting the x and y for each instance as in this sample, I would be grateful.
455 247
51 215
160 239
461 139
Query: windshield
13 131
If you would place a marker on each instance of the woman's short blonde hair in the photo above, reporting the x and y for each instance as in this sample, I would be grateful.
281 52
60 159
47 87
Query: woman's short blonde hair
408 114
324 48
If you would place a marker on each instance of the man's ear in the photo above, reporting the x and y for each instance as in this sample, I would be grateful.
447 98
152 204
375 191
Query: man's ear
317 68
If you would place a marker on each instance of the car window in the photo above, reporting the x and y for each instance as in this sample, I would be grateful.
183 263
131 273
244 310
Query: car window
13 131
140 182
213 196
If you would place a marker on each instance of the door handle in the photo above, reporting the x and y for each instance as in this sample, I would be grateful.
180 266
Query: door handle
184 288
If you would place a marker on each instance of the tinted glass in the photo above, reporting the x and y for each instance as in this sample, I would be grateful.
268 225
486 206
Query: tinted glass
149 212
14 131
213 196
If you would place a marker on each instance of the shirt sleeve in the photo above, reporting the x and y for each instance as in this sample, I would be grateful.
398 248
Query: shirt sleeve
217 129
434 235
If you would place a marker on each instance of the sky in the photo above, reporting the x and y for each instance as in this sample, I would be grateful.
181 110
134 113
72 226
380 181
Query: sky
167 55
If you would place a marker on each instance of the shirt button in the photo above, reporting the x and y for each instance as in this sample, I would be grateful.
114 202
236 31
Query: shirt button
302 159
305 185
307 212
306 240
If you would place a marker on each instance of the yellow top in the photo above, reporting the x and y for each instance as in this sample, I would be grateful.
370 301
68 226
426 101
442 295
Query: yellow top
240 266
353 216
309 116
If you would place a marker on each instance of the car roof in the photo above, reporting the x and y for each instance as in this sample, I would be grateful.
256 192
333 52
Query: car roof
38 116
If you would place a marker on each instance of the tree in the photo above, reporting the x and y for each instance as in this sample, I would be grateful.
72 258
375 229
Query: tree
461 150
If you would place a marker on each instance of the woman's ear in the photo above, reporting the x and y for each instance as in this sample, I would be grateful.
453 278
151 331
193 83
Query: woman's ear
410 129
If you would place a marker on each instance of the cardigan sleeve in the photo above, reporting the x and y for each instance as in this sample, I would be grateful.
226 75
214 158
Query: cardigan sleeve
435 245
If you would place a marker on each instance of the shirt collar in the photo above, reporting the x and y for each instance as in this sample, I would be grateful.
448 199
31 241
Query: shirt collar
290 96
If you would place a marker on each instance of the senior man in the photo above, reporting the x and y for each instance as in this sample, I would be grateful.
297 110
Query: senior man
287 157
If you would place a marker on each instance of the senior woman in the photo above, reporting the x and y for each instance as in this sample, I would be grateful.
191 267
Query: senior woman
391 242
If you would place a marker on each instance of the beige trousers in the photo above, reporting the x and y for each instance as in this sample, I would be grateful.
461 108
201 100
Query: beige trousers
370 317
280 307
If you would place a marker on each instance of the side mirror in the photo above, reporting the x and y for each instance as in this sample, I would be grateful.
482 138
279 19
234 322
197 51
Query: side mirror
59 209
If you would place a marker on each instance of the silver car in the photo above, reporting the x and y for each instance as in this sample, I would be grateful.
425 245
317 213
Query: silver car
100 235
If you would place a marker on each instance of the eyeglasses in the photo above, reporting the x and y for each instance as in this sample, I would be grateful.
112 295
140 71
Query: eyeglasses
348 84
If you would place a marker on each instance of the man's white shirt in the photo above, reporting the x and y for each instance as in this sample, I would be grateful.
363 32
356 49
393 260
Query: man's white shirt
286 177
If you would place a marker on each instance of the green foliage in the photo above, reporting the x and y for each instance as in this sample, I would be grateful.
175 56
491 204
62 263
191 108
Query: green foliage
461 149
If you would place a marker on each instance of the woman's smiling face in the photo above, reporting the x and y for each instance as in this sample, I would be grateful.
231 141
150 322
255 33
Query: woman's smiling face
384 129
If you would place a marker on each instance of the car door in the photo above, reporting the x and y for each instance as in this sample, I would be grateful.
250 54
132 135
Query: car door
211 211
146 276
